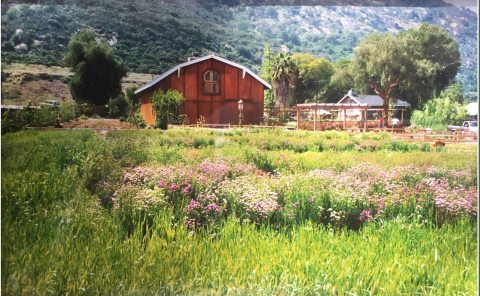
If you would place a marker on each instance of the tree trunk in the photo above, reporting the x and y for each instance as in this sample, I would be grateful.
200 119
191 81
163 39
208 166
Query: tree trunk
385 93
386 103
281 92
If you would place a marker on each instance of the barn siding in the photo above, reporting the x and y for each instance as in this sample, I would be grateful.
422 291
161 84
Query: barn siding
222 108
191 83
178 82
230 85
243 85
146 107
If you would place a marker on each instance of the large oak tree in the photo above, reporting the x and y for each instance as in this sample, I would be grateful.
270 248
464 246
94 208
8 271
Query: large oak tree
380 64
436 56
415 64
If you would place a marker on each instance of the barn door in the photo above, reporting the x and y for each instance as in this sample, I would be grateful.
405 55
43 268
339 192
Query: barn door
229 112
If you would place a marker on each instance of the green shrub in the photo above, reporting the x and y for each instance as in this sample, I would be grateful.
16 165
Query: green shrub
118 106
68 111
166 104
199 142
262 161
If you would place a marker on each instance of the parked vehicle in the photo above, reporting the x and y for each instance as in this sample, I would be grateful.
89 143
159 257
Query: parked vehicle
467 126
50 103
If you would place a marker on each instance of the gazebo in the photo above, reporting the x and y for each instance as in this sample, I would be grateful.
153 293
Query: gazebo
351 112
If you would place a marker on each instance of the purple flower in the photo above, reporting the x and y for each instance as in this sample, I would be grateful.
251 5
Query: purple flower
174 187
162 184
366 215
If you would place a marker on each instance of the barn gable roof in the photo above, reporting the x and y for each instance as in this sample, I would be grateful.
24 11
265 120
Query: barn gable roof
198 60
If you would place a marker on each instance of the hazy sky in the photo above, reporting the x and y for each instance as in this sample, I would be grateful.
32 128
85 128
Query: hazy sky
472 4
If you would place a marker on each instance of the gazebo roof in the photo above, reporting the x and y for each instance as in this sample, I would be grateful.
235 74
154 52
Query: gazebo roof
371 100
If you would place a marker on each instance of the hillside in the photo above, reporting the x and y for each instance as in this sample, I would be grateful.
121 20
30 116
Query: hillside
151 36
23 83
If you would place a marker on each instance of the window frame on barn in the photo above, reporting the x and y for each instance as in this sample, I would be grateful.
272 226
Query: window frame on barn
211 82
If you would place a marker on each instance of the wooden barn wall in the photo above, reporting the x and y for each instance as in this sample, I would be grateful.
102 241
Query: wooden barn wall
146 107
221 108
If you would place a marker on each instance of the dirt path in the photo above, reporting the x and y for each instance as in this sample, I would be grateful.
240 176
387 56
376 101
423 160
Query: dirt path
99 123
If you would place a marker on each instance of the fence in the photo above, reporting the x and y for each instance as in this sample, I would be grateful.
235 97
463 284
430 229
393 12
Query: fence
434 137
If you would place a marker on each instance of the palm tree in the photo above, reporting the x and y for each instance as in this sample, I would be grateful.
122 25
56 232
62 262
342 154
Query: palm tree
285 71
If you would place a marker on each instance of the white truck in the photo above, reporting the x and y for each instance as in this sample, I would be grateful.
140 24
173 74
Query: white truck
467 126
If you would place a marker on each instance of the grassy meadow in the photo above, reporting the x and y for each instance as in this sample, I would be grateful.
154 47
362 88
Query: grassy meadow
197 211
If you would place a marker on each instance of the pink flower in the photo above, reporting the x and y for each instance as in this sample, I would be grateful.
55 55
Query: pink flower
174 187
366 215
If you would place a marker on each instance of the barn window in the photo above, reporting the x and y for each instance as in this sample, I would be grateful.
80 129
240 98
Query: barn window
211 83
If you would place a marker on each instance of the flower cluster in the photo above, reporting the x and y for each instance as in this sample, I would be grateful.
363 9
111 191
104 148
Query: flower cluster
251 198
210 191
202 211
451 201
139 175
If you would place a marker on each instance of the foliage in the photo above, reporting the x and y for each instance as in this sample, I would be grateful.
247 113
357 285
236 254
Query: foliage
420 62
284 73
15 120
340 83
380 64
313 76
133 109
145 212
97 74
266 74
236 32
454 92
126 106
165 104
267 69
118 106
68 111
442 111
436 56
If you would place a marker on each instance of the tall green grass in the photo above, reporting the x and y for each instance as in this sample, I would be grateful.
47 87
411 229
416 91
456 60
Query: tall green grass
89 255
58 237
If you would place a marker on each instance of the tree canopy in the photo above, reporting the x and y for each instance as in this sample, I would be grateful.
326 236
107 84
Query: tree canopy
414 65
97 73
443 110
285 72
340 82
281 71
380 64
267 72
313 76
436 58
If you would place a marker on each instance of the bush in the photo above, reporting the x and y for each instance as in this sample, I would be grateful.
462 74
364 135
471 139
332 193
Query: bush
15 120
118 106
136 119
440 112
165 104
68 111
261 161
199 143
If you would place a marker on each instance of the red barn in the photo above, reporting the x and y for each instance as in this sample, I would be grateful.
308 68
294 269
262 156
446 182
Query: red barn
212 87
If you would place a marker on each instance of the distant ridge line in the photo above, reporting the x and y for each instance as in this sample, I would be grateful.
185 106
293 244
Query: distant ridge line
373 3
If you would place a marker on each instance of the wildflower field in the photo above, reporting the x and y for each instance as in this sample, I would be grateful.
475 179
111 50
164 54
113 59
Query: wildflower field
196 211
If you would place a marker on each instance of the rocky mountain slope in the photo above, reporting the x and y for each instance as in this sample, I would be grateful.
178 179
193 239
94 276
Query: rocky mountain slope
151 36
